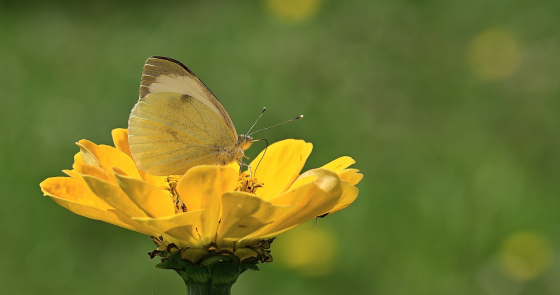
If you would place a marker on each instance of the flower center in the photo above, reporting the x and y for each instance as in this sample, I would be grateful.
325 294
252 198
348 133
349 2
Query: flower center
177 201
248 184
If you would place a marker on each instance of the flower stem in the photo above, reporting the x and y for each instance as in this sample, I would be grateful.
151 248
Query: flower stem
206 289
203 284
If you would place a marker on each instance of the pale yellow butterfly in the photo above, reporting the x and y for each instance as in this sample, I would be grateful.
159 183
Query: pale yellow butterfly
178 123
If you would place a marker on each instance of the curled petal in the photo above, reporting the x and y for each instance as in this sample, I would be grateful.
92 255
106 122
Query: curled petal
245 213
309 200
303 180
349 195
280 166
349 192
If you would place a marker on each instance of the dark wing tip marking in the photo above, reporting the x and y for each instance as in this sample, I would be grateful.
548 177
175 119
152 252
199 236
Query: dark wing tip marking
186 69
175 62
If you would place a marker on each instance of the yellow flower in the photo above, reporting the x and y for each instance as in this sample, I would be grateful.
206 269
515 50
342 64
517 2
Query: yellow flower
209 207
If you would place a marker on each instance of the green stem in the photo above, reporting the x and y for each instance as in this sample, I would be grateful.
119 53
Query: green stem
214 279
206 289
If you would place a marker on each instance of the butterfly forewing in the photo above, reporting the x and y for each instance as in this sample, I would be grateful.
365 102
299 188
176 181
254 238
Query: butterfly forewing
164 74
177 123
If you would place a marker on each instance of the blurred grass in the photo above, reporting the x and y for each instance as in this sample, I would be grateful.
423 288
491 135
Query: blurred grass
455 162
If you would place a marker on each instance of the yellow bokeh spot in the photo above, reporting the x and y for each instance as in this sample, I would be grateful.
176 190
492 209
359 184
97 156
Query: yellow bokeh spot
310 251
494 55
525 256
293 10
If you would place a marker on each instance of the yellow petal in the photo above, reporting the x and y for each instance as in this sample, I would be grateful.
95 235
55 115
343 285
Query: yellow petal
202 187
120 139
109 157
157 181
303 180
167 223
74 195
339 164
309 201
244 213
89 158
234 165
109 216
280 166
113 195
351 175
72 173
72 189
152 200
185 236
349 195
78 158
179 226
91 170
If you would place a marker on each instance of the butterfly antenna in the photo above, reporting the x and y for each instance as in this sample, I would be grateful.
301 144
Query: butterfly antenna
297 118
264 153
264 109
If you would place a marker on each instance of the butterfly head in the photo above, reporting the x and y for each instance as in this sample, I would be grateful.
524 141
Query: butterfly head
244 141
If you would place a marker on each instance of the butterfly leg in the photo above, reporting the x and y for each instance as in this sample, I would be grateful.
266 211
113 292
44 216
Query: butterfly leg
241 163
242 153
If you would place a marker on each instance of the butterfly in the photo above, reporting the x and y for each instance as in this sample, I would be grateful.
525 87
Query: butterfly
178 123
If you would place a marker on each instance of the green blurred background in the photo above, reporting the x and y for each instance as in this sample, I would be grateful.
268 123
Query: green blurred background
450 108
